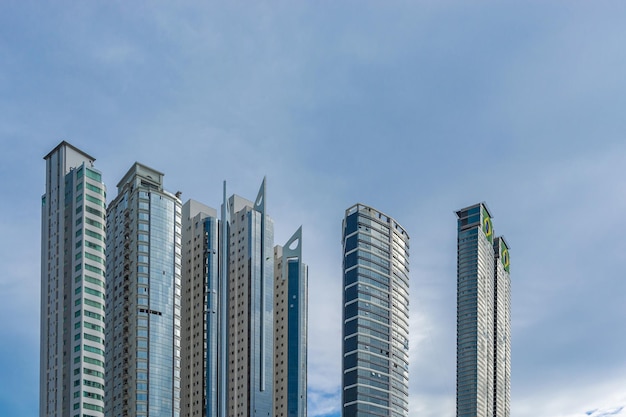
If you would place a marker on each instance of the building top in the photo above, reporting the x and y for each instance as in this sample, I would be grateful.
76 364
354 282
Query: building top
476 215
192 208
72 147
463 211
372 212
503 240
238 203
148 177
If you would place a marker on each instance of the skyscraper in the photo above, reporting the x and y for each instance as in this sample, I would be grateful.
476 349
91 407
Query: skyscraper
147 350
232 314
290 329
200 326
143 314
247 244
375 314
502 330
483 317
72 286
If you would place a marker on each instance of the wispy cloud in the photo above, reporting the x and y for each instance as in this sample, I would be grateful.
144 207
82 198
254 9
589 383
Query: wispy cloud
415 108
603 396
323 403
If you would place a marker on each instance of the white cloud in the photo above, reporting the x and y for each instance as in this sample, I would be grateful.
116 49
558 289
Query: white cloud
600 397
338 107
324 403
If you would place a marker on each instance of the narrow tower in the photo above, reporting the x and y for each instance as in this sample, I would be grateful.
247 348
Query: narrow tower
483 317
375 314
143 347
199 363
72 286
249 244
290 329
502 330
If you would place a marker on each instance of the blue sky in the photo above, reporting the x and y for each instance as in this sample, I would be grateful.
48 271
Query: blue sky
417 108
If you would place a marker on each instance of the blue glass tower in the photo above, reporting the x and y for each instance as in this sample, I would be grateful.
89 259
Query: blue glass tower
375 314
213 372
143 346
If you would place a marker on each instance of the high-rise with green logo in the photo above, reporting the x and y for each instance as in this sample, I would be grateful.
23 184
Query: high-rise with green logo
483 387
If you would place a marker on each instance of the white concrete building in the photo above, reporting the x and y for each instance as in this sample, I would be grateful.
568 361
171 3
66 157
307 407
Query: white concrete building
72 286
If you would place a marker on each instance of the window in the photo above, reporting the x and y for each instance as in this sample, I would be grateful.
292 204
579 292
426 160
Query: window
94 175
93 269
92 349
93 234
94 361
94 222
94 188
94 258
93 304
92 395
94 211
92 338
94 281
94 200
93 407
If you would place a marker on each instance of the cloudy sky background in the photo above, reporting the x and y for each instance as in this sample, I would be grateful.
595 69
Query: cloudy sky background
417 108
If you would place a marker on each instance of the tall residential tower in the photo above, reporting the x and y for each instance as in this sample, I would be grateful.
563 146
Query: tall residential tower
248 244
375 314
200 328
244 314
143 316
72 286
483 317
290 329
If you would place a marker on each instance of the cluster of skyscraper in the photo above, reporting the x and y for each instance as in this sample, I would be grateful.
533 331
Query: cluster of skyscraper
376 316
155 308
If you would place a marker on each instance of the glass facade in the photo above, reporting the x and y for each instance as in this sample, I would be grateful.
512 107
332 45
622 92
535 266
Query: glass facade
261 311
250 270
112 301
290 329
164 300
296 339
144 298
200 330
483 318
375 314
210 260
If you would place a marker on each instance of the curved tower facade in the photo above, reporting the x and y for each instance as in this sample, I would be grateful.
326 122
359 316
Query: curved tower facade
375 380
